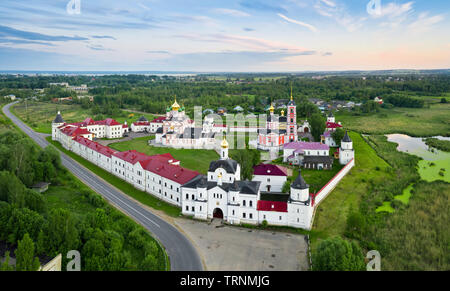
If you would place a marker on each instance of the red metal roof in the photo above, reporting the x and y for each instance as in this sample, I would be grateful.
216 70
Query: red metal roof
158 120
74 131
333 125
277 206
131 156
269 170
90 121
142 123
161 166
104 150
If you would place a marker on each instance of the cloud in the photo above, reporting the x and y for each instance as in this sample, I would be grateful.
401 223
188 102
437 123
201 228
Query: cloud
248 29
97 47
225 60
338 13
247 42
23 41
261 6
325 54
394 13
309 26
158 52
394 10
424 22
231 12
329 3
103 37
10 32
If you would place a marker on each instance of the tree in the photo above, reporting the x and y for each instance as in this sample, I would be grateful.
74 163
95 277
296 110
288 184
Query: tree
25 260
443 100
5 266
317 125
286 187
338 135
336 254
62 232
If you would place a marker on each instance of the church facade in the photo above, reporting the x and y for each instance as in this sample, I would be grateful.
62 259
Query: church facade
279 129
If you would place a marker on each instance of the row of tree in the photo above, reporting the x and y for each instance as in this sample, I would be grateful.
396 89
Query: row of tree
106 239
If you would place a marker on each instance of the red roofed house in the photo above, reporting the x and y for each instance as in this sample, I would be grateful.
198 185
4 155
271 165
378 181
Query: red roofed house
157 123
141 125
66 133
272 177
274 212
108 128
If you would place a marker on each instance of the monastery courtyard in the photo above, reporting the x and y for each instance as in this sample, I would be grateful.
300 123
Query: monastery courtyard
225 247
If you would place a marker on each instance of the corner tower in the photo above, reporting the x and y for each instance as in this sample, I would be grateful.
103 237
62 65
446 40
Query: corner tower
346 152
57 122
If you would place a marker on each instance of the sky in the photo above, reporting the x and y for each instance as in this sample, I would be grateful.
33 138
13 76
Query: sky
224 36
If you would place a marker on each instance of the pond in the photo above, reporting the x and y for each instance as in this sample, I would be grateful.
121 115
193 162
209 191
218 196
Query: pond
435 164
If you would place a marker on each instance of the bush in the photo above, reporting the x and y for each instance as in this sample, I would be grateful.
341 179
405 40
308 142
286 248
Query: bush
336 254
264 223
396 204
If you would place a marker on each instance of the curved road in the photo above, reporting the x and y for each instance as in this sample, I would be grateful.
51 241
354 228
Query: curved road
182 254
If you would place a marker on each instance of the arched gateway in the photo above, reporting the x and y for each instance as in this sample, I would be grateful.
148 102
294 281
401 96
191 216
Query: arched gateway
217 213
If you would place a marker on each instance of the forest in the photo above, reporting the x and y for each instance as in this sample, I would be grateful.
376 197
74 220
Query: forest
153 94
68 216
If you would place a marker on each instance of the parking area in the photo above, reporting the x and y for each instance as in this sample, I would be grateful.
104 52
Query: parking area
225 248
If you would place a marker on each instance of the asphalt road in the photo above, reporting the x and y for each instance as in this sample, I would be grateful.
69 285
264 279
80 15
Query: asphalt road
181 252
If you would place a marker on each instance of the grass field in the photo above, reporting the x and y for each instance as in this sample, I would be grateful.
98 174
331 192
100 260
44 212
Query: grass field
197 160
419 122
331 214
39 115
141 196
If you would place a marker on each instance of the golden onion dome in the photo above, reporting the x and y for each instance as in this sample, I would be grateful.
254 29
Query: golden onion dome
282 112
175 105
271 109
224 143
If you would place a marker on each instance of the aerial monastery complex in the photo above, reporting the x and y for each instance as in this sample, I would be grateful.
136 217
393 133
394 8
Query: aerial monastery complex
219 193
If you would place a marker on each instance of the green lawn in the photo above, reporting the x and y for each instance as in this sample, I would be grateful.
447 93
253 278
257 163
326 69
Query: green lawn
411 121
141 196
197 160
331 214
316 179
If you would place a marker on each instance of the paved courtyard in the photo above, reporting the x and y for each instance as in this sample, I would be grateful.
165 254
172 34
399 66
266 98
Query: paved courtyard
225 248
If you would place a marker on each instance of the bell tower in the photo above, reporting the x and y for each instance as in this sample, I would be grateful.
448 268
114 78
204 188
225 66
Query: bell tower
291 125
